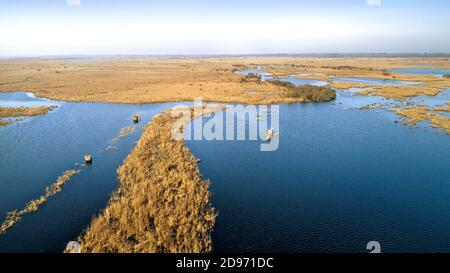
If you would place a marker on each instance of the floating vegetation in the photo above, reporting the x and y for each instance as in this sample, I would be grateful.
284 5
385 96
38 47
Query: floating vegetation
443 108
127 131
4 122
13 217
162 203
417 114
124 132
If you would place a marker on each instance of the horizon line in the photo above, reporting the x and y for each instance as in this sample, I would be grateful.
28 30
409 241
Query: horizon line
311 54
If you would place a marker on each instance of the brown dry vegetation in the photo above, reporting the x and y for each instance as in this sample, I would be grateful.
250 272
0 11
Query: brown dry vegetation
443 108
398 92
24 111
13 217
140 80
4 122
306 93
143 80
162 204
418 114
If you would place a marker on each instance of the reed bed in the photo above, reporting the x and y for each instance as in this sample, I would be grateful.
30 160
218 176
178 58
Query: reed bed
417 114
24 111
4 122
162 204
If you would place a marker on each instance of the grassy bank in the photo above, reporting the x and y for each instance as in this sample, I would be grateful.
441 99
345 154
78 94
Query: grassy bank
162 203
9 112
3 122
24 111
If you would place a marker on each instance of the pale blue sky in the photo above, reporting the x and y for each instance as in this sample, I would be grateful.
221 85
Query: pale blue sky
223 27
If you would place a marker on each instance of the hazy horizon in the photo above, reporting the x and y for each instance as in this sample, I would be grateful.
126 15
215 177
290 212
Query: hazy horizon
82 27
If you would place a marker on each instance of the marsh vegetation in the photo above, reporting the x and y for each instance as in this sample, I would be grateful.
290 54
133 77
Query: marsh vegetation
145 80
414 115
307 92
8 112
162 204
24 111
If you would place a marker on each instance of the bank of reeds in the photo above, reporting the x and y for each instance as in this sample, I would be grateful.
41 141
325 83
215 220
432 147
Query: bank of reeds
13 217
24 111
309 93
3 122
414 115
162 204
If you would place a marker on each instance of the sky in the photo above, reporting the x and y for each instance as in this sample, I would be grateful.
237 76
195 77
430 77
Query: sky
128 27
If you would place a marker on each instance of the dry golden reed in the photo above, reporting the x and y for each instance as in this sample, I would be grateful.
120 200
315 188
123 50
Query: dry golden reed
24 111
162 204
3 122
417 114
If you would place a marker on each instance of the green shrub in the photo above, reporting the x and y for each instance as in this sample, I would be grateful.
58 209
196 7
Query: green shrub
307 92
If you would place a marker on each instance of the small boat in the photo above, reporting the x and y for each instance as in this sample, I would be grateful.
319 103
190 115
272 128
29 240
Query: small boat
88 159
136 118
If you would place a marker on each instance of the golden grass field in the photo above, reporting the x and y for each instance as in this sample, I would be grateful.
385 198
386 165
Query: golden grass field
145 80
153 79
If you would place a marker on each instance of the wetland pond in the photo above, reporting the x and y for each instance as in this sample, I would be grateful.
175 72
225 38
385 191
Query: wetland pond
36 150
340 178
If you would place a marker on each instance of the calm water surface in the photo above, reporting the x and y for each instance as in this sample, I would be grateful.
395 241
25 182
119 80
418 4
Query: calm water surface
375 81
340 178
35 151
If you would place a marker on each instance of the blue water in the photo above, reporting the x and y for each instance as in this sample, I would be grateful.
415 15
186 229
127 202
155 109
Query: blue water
375 81
341 177
35 152
25 99
268 76
300 81
264 75
440 99
421 71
